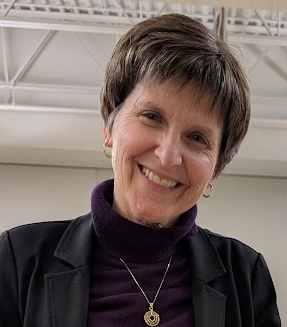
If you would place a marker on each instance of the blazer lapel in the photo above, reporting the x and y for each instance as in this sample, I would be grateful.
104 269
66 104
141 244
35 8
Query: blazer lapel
209 306
208 303
67 297
67 291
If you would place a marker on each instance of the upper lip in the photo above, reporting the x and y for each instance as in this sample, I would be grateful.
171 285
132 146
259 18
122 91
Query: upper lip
160 175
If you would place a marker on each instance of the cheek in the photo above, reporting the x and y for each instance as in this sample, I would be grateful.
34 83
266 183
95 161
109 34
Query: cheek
201 170
132 141
118 159
125 149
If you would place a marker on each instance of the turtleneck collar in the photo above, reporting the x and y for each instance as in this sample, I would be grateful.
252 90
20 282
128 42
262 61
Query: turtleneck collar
123 238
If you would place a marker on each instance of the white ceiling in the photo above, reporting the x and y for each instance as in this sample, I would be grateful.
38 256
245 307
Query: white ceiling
52 60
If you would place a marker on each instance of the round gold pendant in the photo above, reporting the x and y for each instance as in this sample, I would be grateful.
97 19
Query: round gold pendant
151 318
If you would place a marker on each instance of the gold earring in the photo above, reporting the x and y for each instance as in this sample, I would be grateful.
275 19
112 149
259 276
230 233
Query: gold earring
108 155
210 190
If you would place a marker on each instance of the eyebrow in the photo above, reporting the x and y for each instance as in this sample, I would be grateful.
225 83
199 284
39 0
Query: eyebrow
141 101
154 106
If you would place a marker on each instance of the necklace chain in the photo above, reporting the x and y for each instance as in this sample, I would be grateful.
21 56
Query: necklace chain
151 318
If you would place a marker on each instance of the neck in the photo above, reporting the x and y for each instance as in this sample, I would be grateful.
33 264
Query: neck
133 242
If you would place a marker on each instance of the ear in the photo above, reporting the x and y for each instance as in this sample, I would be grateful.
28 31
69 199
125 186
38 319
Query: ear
211 181
107 135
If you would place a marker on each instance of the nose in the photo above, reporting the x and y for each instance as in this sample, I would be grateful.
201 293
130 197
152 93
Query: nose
168 151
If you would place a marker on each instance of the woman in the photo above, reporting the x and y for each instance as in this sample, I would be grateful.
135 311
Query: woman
175 104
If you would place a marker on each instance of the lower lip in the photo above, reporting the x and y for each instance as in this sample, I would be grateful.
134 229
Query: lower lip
157 187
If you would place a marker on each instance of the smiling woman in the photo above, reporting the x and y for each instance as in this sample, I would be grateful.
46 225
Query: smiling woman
165 145
175 104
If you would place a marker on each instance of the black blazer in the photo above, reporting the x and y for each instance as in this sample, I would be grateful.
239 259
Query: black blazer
45 278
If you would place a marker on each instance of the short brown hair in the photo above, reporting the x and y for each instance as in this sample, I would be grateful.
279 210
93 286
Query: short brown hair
176 46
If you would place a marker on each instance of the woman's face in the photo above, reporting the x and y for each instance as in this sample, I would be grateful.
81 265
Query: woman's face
165 143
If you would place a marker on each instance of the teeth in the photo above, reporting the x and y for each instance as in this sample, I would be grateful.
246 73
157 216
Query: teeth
151 176
155 179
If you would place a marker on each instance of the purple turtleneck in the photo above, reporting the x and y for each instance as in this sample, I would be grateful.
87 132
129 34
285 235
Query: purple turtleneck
115 299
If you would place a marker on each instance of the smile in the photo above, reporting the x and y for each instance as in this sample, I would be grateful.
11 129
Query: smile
155 179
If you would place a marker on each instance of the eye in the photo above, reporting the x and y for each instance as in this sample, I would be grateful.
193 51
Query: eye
151 116
198 138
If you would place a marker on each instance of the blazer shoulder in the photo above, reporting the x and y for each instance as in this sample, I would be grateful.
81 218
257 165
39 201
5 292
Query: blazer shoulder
35 237
230 245
38 230
43 227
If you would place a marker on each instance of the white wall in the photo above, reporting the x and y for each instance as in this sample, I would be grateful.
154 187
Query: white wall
35 193
251 209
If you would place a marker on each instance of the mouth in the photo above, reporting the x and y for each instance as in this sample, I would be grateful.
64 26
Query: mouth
151 176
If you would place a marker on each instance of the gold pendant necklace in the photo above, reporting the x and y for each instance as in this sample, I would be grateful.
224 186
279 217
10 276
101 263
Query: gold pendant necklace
151 317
